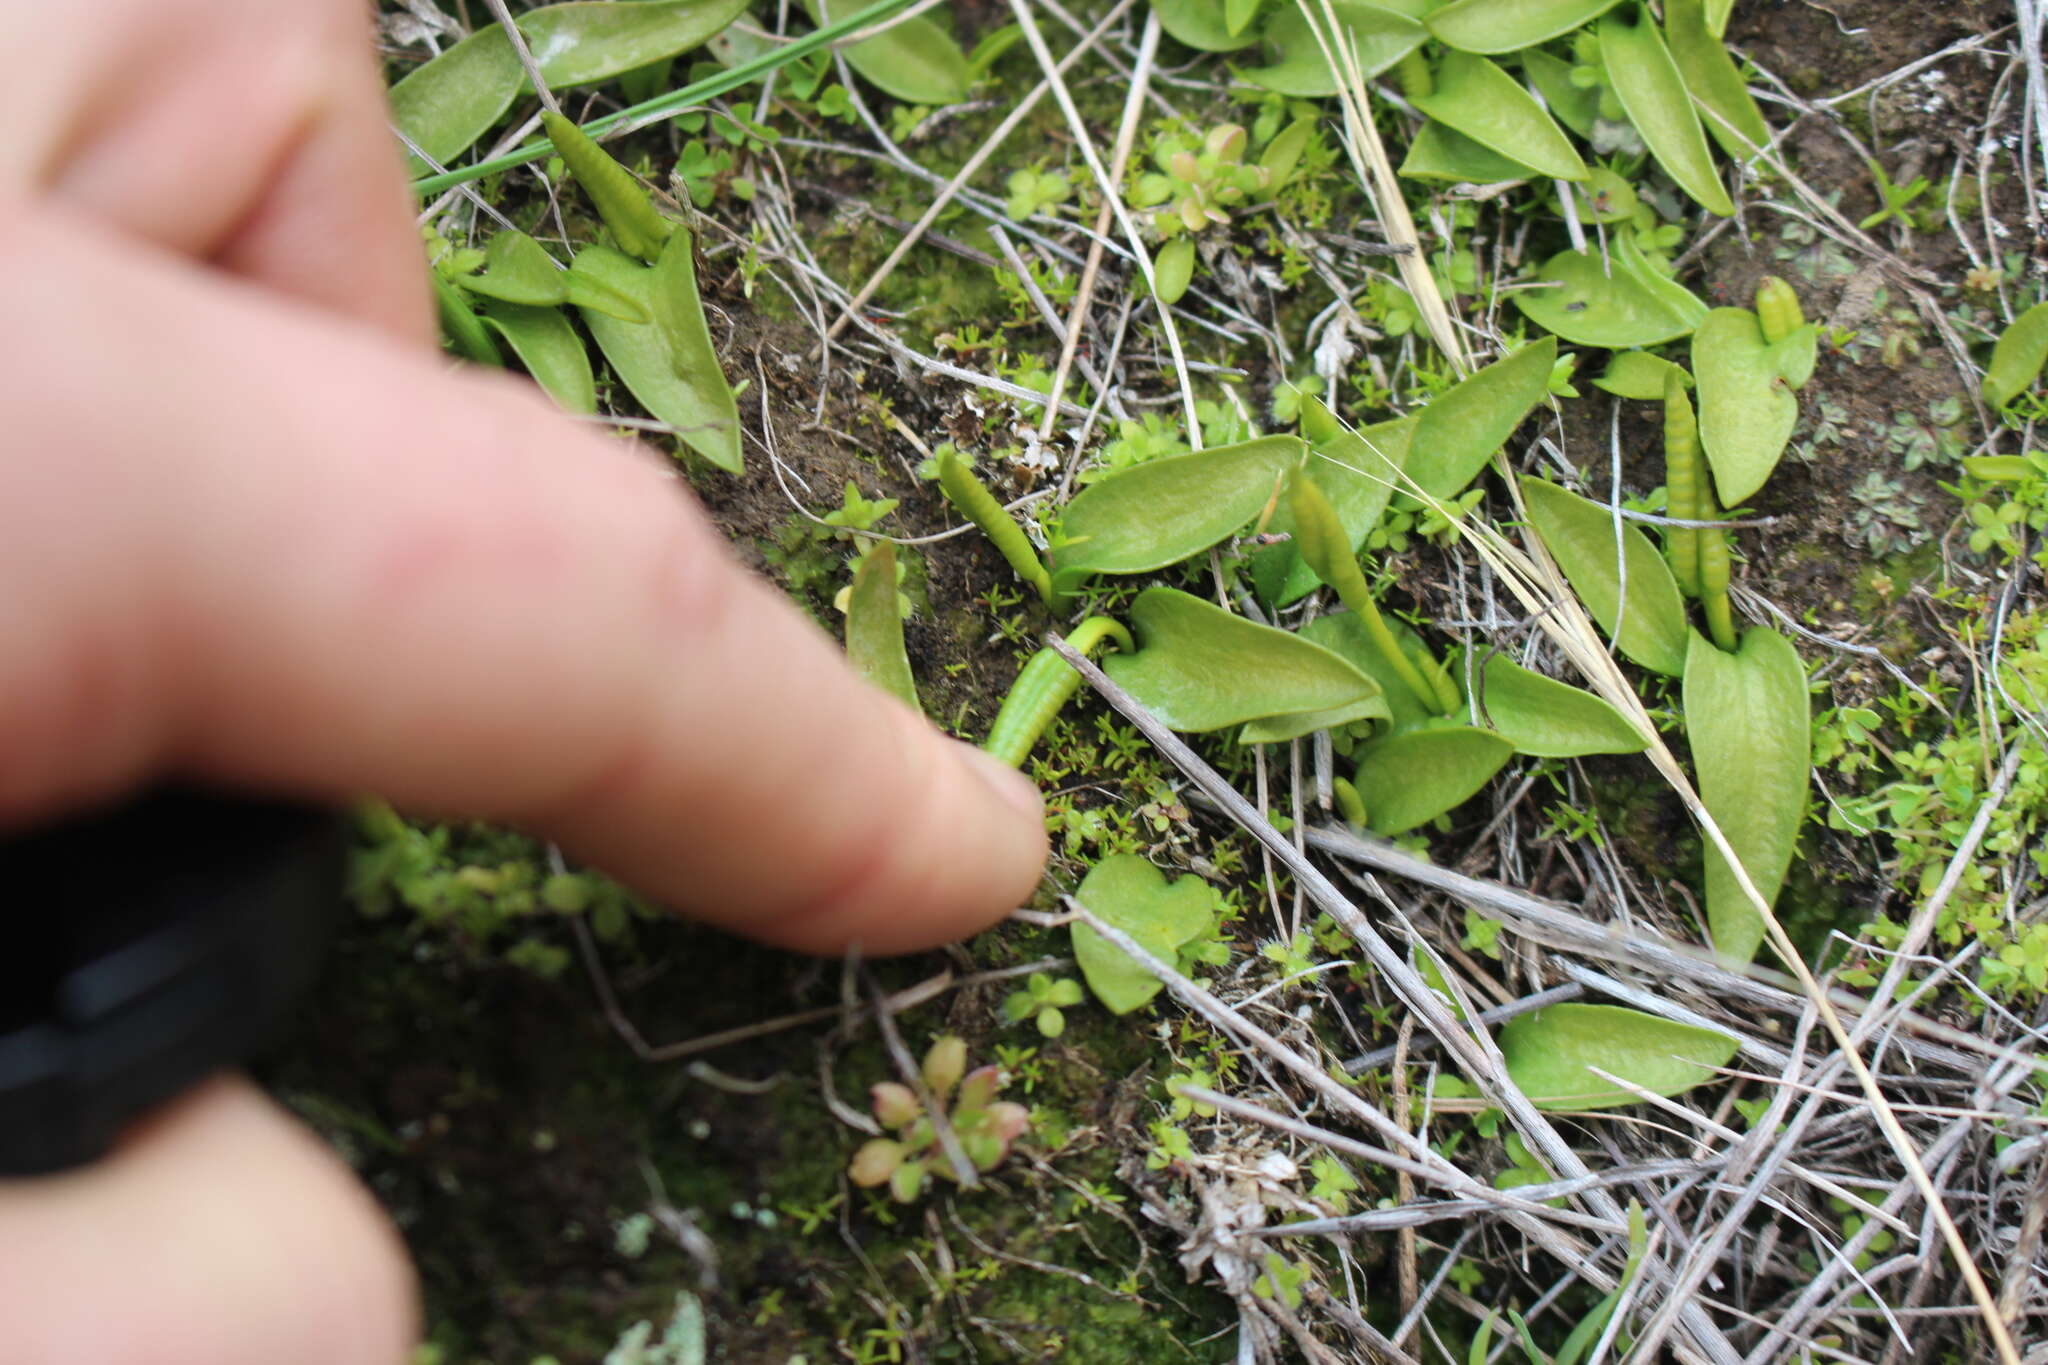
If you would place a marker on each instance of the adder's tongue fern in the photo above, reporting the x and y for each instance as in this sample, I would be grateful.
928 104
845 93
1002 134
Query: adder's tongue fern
1043 686
978 505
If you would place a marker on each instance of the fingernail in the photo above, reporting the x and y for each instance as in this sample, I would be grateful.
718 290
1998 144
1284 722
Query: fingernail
1013 787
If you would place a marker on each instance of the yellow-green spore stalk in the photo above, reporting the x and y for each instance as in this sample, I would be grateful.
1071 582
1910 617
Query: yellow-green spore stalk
973 500
1326 549
1681 483
1043 686
621 202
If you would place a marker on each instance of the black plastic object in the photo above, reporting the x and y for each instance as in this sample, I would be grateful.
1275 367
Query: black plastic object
142 949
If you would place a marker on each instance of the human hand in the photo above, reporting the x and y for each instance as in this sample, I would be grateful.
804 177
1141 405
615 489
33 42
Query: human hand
255 532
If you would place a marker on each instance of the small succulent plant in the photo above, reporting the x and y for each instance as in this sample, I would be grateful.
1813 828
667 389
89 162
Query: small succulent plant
985 1125
1197 182
1042 999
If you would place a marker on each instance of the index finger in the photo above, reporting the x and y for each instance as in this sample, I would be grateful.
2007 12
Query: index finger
282 553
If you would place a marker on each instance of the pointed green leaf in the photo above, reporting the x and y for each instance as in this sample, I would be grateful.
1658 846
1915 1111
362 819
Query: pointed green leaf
1160 512
547 345
1717 16
1380 37
1653 94
1727 111
1580 536
1611 303
1440 152
518 270
2017 358
874 626
1476 97
1493 26
465 332
1545 717
1199 667
1747 410
1746 721
1576 107
1238 14
1130 893
1358 472
1553 1053
586 291
1413 776
669 363
913 60
1465 424
1639 375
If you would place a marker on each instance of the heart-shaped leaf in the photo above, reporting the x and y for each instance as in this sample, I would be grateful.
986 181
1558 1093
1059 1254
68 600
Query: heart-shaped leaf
1746 722
1198 667
1134 896
1413 776
1552 1054
1160 512
1580 536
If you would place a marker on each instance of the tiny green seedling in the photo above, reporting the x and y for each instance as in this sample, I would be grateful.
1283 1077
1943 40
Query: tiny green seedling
985 1126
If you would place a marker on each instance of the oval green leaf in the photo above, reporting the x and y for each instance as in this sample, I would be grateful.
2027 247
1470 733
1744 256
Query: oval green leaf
914 60
1465 424
1613 303
1553 1053
1476 97
1639 375
1160 512
1358 472
1442 153
1747 410
1545 717
1413 776
464 331
1173 269
874 626
668 363
452 100
1747 724
1727 111
1653 94
1580 537
1509 25
1130 893
1380 37
1199 667
547 345
587 41
2017 358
